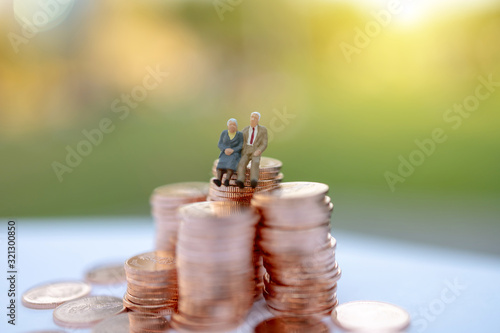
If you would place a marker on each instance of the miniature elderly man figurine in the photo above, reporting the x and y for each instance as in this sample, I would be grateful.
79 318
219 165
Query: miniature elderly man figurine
254 144
230 145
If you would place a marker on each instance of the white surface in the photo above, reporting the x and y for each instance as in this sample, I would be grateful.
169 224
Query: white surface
410 275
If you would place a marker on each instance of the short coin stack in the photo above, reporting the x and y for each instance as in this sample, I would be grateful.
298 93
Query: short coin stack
298 250
215 267
269 179
151 283
165 202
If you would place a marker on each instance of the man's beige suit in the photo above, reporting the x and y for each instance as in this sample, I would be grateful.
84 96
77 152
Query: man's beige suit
259 143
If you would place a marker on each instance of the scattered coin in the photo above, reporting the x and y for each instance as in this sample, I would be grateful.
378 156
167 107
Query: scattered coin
88 311
132 322
49 296
106 274
370 316
292 325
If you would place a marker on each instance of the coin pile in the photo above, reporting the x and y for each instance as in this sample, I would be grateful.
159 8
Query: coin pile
298 250
151 283
133 322
215 266
165 202
269 178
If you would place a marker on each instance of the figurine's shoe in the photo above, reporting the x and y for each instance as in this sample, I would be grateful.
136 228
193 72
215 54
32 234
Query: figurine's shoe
226 183
217 182
240 184
253 183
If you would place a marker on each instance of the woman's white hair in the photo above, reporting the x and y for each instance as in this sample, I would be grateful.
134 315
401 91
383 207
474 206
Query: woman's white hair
257 113
232 120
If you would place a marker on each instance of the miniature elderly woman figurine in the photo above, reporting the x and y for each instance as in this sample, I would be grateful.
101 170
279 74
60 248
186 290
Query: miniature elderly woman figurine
230 145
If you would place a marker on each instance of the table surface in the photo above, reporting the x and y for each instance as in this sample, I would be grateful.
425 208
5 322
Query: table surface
444 290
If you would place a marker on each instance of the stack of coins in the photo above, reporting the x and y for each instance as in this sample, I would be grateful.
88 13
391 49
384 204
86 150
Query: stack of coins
259 272
151 283
269 178
215 266
165 202
298 250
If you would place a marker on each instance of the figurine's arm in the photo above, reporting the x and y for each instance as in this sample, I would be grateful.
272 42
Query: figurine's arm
239 144
221 142
263 143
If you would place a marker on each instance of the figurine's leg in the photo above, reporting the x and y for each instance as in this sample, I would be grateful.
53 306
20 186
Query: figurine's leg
254 171
229 174
242 167
217 180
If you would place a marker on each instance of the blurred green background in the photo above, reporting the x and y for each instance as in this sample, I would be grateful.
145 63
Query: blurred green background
344 118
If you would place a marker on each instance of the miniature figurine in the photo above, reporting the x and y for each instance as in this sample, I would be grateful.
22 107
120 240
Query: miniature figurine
230 145
254 144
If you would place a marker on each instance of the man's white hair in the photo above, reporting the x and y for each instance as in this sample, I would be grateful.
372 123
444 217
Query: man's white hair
232 120
255 112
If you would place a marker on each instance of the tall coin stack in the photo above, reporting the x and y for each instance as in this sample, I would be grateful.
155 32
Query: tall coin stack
151 283
269 179
214 265
165 202
298 250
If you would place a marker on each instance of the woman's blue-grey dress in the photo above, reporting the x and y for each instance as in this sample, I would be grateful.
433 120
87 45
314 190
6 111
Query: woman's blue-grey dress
231 161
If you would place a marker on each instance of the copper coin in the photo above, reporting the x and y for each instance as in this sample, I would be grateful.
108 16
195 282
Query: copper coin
182 191
371 316
106 274
294 191
132 322
51 295
87 311
156 261
161 309
292 325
